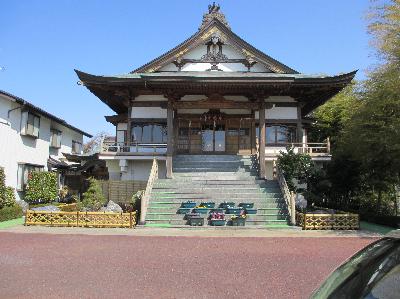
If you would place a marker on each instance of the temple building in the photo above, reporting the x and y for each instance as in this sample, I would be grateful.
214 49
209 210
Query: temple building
213 94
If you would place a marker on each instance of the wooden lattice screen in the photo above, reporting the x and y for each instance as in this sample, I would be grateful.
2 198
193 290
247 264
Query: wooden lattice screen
121 191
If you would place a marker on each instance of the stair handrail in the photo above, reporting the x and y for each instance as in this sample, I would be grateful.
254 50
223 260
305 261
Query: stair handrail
146 195
288 195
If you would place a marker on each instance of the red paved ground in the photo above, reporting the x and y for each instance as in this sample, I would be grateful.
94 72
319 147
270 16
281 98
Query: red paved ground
83 266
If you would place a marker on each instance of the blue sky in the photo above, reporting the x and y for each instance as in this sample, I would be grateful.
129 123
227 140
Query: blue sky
42 42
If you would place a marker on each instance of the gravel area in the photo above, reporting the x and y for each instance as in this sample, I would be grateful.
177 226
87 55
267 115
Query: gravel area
88 266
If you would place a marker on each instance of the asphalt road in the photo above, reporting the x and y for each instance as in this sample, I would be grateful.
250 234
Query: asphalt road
87 266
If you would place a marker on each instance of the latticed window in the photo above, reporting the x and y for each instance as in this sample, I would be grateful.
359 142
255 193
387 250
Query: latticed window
149 133
23 174
55 138
76 147
30 124
279 134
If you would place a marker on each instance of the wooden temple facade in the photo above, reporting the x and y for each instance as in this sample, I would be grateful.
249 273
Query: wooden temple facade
212 94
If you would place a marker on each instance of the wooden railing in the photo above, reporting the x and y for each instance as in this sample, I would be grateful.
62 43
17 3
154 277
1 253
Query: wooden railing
133 147
308 221
80 219
146 195
288 196
311 148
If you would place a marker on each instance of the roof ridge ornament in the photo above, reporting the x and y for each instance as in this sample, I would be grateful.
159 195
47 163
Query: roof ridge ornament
214 13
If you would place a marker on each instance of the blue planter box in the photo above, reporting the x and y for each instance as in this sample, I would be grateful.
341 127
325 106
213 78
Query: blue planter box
190 215
246 205
208 204
217 210
224 205
183 210
251 211
239 221
217 222
196 221
234 211
201 210
188 205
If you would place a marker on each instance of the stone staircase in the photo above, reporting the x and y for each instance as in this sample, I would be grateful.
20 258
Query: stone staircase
216 178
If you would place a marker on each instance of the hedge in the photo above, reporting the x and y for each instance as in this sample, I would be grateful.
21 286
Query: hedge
392 221
9 213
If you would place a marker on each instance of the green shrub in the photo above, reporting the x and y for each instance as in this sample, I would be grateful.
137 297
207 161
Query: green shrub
41 187
295 166
93 198
9 213
7 195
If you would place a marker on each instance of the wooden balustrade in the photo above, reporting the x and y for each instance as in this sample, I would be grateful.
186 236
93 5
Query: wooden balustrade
80 219
288 196
146 195
133 147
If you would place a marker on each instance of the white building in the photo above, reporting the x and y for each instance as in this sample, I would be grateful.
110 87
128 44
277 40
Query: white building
29 137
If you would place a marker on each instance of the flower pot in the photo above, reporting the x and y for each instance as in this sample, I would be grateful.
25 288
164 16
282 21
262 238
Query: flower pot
217 222
208 204
196 221
188 205
233 210
190 215
251 211
183 210
246 205
217 210
239 221
224 205
201 210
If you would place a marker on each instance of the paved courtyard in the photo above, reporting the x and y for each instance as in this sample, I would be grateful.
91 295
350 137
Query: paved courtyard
42 265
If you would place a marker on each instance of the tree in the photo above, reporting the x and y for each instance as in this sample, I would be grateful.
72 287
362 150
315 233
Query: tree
93 198
41 187
93 145
331 117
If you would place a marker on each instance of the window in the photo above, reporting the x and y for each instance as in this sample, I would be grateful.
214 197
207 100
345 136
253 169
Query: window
23 174
121 136
279 134
55 138
76 147
30 124
149 133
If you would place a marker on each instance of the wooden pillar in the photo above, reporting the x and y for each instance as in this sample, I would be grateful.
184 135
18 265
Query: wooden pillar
128 126
253 132
299 125
262 139
170 138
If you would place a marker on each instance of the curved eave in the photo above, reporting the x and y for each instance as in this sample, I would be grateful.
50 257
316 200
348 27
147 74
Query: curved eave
313 91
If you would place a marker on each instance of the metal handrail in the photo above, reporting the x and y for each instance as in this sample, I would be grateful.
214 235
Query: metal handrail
121 147
287 195
146 195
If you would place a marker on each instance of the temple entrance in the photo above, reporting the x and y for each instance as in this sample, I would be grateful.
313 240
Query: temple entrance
213 138
229 136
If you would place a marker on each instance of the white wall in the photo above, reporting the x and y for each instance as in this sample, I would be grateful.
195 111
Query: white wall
227 50
279 113
16 148
138 170
148 112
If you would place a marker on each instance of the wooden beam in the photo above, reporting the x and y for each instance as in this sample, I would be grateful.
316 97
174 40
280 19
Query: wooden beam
170 137
262 140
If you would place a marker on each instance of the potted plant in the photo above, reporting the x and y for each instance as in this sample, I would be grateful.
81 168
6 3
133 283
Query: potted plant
201 209
225 204
217 219
188 204
195 219
234 210
208 204
238 220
